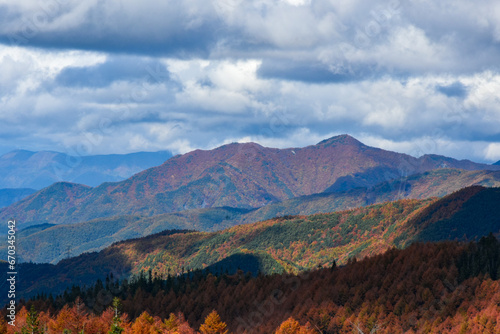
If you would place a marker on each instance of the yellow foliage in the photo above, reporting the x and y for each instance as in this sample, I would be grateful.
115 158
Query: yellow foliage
213 324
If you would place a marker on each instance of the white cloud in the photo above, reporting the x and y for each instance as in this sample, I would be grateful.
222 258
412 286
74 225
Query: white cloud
221 86
298 2
283 73
492 152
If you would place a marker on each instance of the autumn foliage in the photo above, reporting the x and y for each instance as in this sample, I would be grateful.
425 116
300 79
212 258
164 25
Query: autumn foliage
446 287
213 324
292 326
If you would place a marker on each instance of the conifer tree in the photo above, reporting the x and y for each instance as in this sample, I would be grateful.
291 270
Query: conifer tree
116 326
172 323
213 324
144 324
32 323
292 326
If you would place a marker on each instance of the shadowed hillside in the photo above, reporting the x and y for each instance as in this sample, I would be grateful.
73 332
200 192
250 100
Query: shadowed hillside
293 243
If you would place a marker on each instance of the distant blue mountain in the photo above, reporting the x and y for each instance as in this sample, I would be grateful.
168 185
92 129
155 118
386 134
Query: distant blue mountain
497 163
37 170
9 196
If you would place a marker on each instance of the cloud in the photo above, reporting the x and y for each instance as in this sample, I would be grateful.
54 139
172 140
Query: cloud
317 72
119 76
148 27
119 68
387 35
492 152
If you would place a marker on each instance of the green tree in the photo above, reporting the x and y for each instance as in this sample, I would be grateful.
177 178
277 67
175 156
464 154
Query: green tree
32 323
116 326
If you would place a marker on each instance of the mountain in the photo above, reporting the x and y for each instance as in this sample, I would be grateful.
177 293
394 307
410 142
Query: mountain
497 163
9 195
464 215
37 170
290 244
51 243
446 287
294 243
234 175
435 183
55 242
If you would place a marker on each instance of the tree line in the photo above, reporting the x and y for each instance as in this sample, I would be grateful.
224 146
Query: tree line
440 287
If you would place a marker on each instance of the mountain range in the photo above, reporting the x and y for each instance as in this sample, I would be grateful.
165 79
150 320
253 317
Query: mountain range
37 170
245 176
286 244
12 195
181 236
52 243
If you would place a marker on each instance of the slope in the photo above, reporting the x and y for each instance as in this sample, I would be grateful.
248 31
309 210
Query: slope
56 243
468 214
436 183
52 243
235 175
446 287
293 243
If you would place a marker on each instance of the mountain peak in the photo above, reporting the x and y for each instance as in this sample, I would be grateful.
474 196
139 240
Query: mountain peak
341 140
497 163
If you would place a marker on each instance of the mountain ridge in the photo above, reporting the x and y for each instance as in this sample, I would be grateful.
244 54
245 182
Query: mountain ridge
51 244
234 175
37 170
295 243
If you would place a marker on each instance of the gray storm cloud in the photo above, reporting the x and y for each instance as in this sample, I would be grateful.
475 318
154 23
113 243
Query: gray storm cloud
185 74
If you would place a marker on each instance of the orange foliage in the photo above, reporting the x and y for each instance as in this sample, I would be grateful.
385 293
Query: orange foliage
213 324
292 326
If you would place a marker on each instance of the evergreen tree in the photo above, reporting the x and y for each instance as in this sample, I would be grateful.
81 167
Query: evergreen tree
334 265
116 326
172 323
32 323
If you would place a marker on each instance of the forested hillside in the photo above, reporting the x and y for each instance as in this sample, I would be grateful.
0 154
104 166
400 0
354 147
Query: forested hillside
428 287
53 243
284 244
291 244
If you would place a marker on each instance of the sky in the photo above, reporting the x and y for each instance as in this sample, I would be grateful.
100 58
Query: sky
98 77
